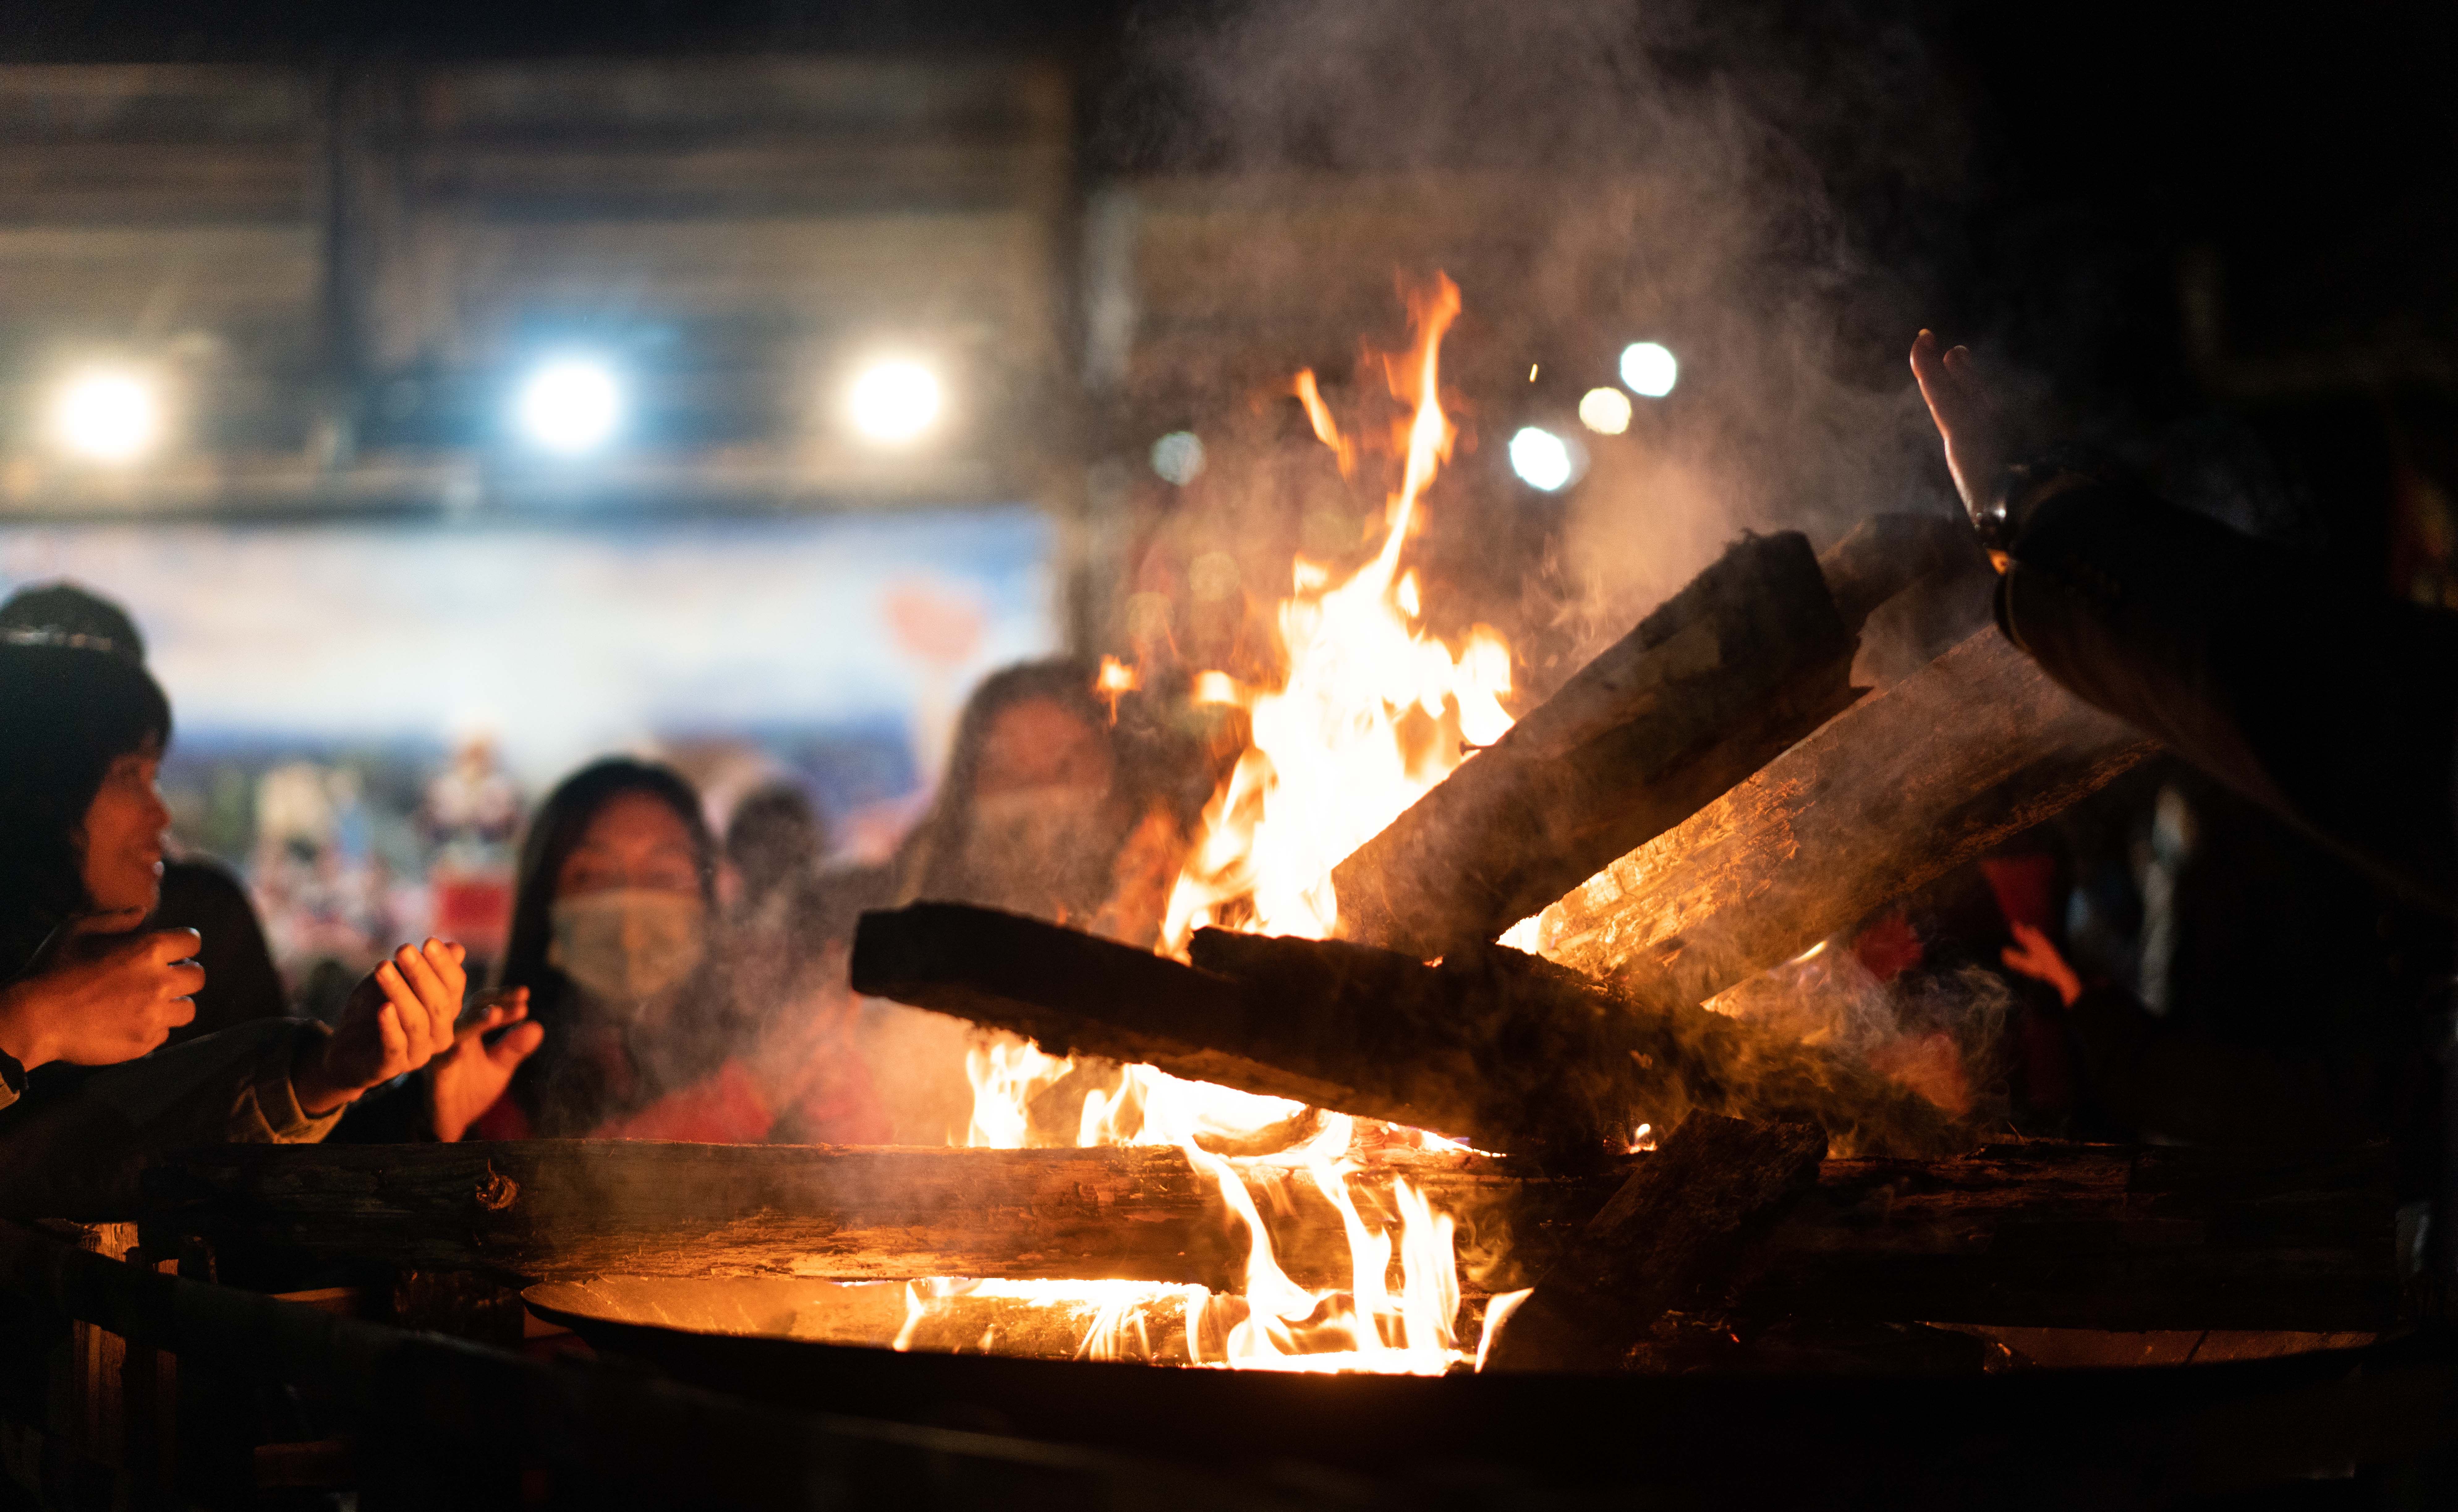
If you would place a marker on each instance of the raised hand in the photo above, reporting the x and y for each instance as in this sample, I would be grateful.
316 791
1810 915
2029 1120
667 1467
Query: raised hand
397 1018
1966 417
464 1081
98 992
2034 956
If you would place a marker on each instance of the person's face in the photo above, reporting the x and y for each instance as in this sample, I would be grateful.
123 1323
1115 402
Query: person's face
120 843
1039 743
633 840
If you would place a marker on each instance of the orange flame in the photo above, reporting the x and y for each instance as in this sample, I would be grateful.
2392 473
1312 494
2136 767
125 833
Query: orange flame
1325 429
1371 714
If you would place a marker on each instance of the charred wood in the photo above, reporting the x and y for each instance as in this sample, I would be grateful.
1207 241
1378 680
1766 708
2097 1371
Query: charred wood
1752 655
1675 1226
568 1209
1885 797
2041 1235
1488 1044
2093 1236
1745 660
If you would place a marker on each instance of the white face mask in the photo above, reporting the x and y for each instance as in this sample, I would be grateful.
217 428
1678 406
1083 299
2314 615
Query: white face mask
628 945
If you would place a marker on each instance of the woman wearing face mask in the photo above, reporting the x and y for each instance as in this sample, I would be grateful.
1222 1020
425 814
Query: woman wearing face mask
82 984
1037 817
616 935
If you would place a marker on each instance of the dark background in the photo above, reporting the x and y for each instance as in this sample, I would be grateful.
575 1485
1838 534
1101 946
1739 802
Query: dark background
2217 231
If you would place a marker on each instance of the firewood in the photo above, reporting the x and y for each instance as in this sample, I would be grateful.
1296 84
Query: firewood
2093 1236
2041 1235
1752 655
1885 797
1745 660
1488 1044
561 1208
1680 1220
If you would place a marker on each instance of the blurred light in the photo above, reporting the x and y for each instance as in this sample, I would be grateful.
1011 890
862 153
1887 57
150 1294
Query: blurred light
894 401
1542 459
1606 411
570 405
1648 368
1178 457
107 416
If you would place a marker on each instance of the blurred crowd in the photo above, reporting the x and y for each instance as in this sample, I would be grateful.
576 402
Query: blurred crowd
2167 962
646 962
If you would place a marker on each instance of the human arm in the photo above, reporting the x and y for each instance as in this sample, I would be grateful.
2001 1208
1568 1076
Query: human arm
97 993
2035 956
466 1080
399 1017
2331 705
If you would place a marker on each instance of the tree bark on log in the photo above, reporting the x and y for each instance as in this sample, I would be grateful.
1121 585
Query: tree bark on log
1753 654
1745 660
564 1209
1490 1045
1885 797
1675 1226
2041 1235
2094 1236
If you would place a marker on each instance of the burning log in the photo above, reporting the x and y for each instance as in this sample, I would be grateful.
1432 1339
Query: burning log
1736 666
567 1208
1887 796
1488 1044
1727 675
1752 655
2041 1235
1675 1226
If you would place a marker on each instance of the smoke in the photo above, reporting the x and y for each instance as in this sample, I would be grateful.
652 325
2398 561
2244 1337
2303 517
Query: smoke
1593 174
1941 1034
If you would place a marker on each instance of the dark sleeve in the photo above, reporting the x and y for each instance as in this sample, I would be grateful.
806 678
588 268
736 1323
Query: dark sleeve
395 1113
2181 1083
2334 708
240 981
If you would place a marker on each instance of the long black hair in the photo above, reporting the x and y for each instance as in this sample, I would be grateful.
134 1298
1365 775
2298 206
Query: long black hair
67 713
554 833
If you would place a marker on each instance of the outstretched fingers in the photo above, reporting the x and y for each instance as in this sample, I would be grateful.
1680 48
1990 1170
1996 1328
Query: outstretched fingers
415 1022
515 1045
394 1039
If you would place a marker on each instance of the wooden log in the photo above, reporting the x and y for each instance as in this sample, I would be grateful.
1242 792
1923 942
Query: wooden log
1752 655
2096 1236
1744 661
1675 1226
2042 1235
1489 1045
568 1209
1885 797
1076 994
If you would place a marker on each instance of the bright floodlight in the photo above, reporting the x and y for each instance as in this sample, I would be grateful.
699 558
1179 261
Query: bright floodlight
571 404
895 402
1178 457
1648 368
1606 411
1542 459
107 416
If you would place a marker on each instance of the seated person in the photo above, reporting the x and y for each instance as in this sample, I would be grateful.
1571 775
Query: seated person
82 732
240 983
641 1025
